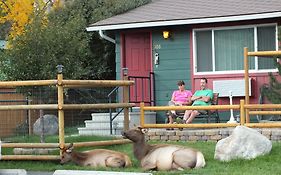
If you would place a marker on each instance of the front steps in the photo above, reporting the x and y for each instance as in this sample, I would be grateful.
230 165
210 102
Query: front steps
100 123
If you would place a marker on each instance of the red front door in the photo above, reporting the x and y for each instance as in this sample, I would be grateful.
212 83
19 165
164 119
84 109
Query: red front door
138 60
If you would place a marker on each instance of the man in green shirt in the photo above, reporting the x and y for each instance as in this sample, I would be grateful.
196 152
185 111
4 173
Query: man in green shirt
202 97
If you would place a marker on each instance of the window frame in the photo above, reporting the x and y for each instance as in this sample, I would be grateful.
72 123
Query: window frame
213 29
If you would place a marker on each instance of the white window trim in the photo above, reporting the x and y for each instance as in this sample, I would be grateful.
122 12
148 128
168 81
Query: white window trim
213 52
276 36
256 47
213 49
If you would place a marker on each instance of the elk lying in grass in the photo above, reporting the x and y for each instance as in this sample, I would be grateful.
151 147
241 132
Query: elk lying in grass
95 158
163 156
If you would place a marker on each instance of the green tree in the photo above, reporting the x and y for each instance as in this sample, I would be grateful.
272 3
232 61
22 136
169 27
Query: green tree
18 14
64 40
35 53
272 91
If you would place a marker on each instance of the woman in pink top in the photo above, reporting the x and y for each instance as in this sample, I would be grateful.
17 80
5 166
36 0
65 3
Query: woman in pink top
179 97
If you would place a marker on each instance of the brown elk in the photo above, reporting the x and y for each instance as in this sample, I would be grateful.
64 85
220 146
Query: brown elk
163 156
95 158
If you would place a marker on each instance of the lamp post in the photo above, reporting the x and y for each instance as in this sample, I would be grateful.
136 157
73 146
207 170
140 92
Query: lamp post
59 68
125 71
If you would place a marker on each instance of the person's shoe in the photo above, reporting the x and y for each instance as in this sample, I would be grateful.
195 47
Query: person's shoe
170 129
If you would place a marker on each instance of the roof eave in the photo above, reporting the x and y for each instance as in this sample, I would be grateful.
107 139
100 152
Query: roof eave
184 22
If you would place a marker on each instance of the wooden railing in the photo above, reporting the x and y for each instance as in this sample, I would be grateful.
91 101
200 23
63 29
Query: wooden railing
60 106
242 107
245 108
246 75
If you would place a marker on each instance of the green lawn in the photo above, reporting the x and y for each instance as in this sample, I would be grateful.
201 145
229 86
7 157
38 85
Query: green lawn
269 164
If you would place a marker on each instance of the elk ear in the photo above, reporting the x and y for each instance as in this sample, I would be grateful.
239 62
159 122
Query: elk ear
68 150
144 130
71 146
139 127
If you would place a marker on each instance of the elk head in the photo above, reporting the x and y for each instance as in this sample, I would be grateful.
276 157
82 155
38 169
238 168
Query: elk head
135 134
66 154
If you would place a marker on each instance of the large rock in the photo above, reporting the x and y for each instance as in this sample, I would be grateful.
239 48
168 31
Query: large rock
243 143
51 125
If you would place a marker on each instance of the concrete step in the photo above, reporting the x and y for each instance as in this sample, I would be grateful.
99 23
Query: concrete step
106 116
103 124
100 132
100 123
134 117
13 172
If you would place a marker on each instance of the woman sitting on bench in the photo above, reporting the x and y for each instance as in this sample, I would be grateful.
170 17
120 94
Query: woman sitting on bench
179 97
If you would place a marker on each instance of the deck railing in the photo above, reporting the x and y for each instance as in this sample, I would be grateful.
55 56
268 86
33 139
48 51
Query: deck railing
245 108
253 109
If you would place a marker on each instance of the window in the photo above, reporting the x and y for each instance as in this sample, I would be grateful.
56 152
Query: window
266 41
222 49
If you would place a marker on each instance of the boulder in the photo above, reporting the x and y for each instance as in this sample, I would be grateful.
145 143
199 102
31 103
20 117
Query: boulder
51 125
243 143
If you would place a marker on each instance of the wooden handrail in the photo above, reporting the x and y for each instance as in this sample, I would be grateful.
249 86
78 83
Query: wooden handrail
265 53
163 108
96 83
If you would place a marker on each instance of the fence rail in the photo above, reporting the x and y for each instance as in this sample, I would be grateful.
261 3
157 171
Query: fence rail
246 73
60 107
242 107
9 84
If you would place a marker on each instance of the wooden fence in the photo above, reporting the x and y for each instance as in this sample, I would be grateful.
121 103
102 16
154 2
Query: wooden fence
10 120
61 107
245 108
242 107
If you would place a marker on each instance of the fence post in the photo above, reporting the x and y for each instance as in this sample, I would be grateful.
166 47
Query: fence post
141 114
242 112
29 118
126 99
246 76
60 108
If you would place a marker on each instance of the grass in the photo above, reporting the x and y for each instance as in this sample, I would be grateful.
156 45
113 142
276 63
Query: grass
263 165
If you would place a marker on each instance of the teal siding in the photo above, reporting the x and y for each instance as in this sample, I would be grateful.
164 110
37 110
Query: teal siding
118 61
174 65
118 56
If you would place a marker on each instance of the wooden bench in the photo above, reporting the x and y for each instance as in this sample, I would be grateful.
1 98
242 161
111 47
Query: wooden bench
208 116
